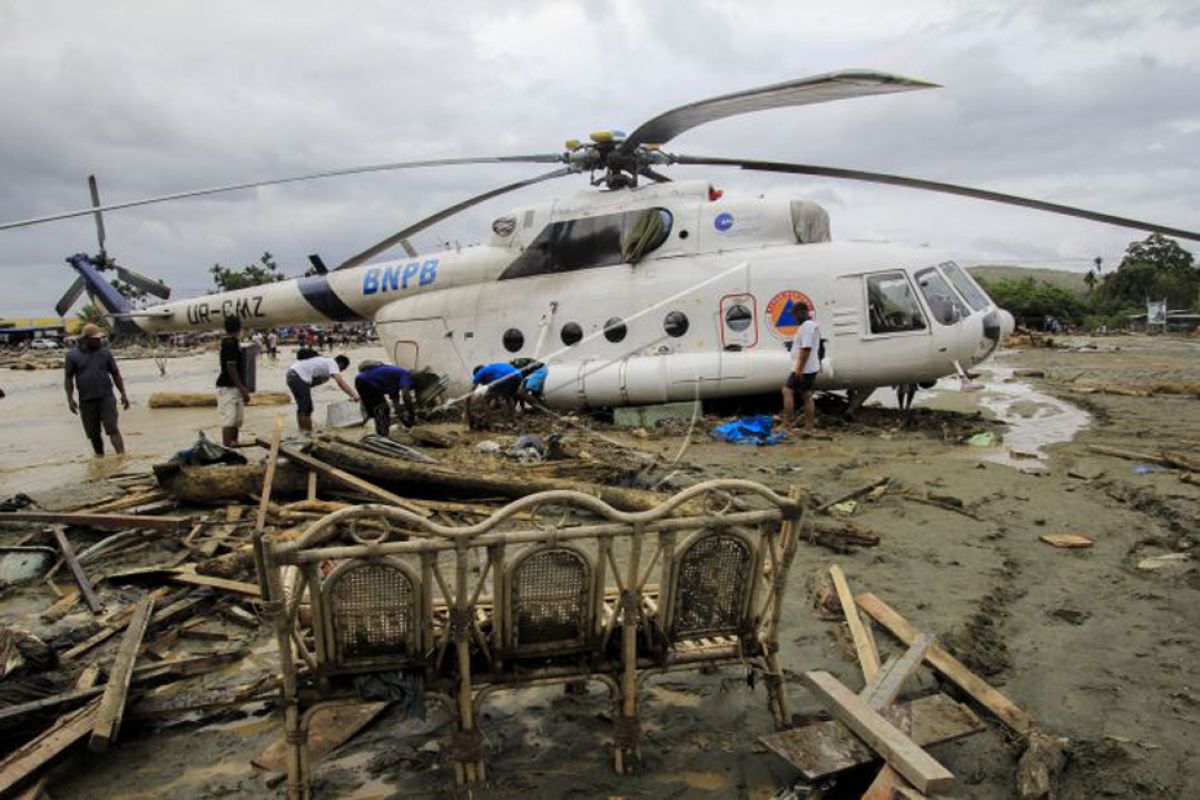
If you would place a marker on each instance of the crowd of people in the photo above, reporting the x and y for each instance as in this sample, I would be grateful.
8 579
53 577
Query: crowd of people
382 390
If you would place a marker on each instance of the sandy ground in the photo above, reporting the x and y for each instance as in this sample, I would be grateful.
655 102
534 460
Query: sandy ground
1095 648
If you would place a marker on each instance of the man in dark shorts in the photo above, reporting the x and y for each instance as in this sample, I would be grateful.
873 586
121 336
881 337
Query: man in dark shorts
375 383
498 384
93 369
232 394
806 364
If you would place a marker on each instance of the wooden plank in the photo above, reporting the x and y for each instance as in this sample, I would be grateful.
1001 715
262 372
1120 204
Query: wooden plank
987 696
881 690
823 749
81 578
23 762
346 479
868 658
105 522
221 584
331 727
208 548
112 705
918 767
114 626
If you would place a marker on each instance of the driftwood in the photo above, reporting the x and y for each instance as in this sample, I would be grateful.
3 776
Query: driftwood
476 482
859 492
209 399
218 483
1043 759
1164 458
842 536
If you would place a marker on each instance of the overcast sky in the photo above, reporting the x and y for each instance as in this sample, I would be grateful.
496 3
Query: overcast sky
1089 104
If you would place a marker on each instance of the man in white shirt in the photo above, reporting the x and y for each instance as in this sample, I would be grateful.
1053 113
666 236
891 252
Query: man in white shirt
313 371
806 363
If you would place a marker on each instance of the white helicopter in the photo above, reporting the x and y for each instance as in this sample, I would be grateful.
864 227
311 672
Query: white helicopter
639 294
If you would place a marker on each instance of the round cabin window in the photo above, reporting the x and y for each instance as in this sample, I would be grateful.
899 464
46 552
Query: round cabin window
615 330
571 333
738 317
513 340
675 324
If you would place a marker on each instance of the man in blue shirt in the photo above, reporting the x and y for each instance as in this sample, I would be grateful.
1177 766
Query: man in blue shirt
376 383
498 383
534 386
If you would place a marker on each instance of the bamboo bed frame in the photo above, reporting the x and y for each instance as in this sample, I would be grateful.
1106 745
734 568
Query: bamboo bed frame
572 599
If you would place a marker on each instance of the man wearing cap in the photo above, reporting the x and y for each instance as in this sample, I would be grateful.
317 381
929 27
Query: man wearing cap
93 369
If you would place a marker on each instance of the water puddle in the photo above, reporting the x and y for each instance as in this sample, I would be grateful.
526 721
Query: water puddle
1035 420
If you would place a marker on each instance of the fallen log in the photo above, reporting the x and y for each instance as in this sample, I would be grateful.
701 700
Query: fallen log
220 483
107 522
209 399
430 478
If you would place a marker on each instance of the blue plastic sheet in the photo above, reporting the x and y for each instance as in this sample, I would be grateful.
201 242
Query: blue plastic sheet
748 430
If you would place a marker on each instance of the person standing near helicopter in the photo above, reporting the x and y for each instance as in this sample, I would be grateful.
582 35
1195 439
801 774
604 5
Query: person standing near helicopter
806 364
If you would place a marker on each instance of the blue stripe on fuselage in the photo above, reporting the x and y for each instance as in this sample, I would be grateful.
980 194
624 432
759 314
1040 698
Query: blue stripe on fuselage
320 295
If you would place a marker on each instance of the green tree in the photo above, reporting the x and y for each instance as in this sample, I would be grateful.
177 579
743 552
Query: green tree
1156 268
230 278
1030 301
1089 280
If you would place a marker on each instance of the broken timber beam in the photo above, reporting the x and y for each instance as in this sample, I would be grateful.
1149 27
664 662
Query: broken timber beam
107 522
112 705
986 695
22 763
918 767
823 749
81 578
881 690
868 657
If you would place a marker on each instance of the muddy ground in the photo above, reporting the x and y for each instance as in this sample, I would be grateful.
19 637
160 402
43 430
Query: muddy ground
1093 647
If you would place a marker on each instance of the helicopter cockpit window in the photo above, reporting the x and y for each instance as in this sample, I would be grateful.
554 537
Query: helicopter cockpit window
648 232
891 304
974 296
943 301
601 241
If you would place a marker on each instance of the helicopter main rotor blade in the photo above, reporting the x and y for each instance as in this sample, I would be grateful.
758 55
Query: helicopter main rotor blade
95 192
804 91
545 158
70 296
450 211
147 285
936 186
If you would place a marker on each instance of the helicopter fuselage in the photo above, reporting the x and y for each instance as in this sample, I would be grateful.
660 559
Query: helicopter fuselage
662 293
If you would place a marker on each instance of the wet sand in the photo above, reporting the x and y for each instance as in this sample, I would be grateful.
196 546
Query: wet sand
1094 648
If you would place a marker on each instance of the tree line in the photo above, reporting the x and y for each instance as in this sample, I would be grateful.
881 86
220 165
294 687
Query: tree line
1154 269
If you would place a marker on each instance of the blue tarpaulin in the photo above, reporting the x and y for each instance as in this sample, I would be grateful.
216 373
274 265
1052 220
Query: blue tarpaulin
748 430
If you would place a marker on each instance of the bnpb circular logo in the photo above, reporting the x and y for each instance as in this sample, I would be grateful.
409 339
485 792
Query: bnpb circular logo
781 312
723 221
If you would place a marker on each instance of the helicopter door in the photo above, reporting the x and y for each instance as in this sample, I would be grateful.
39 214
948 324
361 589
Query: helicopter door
407 354
739 321
882 333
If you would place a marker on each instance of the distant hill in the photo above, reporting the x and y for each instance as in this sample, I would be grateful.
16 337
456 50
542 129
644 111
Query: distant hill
1072 281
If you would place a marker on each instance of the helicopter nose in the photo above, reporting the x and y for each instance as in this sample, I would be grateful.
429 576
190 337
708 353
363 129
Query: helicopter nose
1007 323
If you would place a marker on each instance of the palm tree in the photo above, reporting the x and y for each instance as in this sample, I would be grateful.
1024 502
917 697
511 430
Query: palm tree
1099 261
1090 279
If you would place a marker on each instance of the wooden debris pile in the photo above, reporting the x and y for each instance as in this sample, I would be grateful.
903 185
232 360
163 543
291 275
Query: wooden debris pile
872 727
